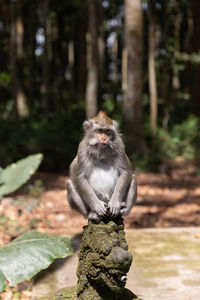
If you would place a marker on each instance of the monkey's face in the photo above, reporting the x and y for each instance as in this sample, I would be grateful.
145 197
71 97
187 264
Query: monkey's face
103 136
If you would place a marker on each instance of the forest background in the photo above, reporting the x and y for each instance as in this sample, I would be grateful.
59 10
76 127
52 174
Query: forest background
62 61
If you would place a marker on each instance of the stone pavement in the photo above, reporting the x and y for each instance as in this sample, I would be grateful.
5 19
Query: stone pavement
166 265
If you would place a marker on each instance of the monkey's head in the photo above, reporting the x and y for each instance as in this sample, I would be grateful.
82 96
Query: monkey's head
101 131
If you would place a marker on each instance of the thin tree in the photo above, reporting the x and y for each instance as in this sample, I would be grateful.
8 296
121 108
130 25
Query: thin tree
47 57
132 76
152 68
194 46
30 48
165 83
17 57
81 28
92 60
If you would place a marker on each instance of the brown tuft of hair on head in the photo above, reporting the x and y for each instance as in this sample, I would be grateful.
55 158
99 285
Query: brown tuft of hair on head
102 118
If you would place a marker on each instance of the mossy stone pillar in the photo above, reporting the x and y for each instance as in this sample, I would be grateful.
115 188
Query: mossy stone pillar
104 262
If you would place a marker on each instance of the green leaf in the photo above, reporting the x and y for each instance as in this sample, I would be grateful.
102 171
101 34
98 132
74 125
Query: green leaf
28 254
15 175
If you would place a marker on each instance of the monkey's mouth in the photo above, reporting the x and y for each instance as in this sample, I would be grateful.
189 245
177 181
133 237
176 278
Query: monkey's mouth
102 145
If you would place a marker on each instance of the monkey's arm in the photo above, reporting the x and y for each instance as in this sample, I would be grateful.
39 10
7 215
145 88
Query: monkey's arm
130 198
121 186
124 180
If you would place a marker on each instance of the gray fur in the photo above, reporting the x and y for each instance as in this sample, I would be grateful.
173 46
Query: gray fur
81 195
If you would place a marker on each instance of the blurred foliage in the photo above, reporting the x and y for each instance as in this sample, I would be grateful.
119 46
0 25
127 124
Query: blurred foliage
35 189
5 78
183 140
180 142
56 137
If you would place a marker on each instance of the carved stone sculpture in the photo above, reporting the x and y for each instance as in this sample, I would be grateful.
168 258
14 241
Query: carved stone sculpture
104 261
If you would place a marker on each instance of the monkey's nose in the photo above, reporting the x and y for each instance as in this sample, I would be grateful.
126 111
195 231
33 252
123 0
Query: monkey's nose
104 140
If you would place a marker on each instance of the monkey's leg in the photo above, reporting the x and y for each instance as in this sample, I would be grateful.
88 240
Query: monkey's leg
75 200
129 198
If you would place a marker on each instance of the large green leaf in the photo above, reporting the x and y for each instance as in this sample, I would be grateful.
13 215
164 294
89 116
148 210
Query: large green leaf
28 254
16 174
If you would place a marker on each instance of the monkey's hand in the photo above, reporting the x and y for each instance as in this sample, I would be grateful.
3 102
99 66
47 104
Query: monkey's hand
114 208
100 208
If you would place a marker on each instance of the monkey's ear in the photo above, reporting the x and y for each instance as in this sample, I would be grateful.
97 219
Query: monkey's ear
116 125
87 125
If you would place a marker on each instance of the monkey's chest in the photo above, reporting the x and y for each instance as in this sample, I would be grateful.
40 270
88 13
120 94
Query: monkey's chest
103 182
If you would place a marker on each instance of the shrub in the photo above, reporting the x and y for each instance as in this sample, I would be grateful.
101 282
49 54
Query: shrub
182 140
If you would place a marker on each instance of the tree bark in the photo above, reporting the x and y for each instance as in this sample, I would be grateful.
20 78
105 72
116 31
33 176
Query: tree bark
71 61
16 58
92 61
165 84
101 48
177 25
132 102
31 52
152 69
81 54
194 46
47 57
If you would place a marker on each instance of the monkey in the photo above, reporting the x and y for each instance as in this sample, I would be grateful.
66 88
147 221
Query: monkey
101 182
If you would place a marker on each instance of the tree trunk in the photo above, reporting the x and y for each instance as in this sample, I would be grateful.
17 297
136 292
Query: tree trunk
92 61
81 54
31 52
71 61
16 58
47 57
132 102
101 49
165 84
177 25
152 68
194 46
61 52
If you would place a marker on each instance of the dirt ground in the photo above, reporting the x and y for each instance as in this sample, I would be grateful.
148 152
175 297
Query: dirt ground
163 201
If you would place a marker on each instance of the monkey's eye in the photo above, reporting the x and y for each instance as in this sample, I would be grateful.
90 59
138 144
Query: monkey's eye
99 130
108 131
